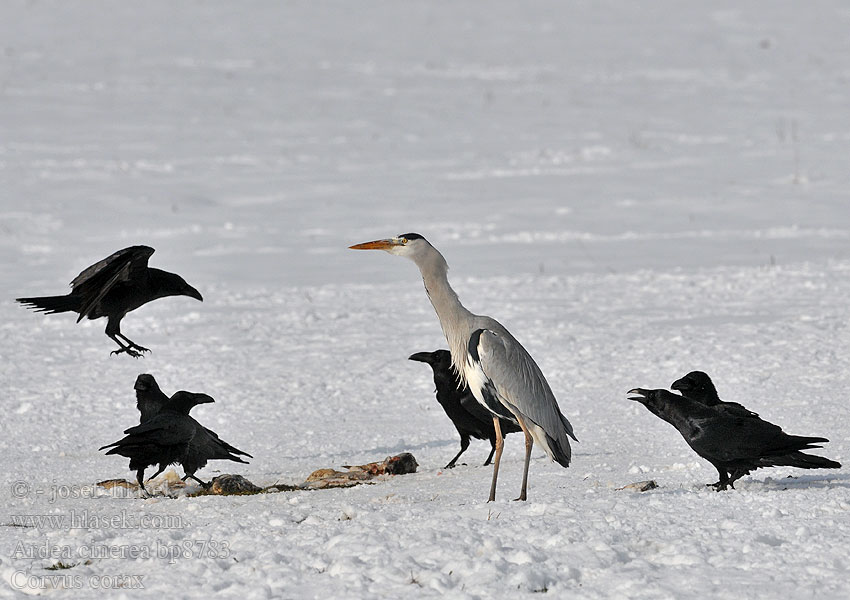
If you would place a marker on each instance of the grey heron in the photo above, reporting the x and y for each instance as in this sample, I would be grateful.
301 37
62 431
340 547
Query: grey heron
500 373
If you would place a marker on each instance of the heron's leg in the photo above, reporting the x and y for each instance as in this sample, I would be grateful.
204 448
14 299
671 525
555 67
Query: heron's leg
529 442
500 444
464 444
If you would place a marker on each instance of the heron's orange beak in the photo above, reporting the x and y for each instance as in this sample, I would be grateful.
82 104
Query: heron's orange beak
378 244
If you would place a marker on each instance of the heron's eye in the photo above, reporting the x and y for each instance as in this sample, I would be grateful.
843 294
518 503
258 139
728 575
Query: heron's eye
404 240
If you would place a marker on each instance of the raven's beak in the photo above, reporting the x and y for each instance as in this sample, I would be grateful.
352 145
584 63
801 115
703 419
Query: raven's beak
193 293
379 244
425 357
641 394
203 399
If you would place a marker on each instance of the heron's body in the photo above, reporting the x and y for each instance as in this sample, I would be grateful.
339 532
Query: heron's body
500 373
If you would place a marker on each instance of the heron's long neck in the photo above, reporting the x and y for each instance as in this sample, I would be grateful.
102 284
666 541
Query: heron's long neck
455 319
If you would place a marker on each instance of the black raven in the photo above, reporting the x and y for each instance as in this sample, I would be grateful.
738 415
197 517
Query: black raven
171 436
468 416
113 287
735 445
149 398
698 386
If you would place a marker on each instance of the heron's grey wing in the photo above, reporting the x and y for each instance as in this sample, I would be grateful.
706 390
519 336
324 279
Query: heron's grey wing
519 381
96 281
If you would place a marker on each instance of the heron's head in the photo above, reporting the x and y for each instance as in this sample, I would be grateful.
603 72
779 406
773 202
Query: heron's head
409 245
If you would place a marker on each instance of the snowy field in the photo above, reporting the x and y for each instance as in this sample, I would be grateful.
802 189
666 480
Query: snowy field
635 190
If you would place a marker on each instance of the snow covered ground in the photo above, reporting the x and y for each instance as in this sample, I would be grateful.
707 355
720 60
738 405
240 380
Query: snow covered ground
634 190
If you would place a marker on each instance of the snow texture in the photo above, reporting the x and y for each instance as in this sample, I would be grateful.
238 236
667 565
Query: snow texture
635 190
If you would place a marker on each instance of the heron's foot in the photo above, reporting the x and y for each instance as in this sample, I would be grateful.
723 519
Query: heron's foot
521 498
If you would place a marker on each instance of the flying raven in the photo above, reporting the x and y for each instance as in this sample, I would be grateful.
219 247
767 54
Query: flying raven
113 287
467 415
171 436
735 445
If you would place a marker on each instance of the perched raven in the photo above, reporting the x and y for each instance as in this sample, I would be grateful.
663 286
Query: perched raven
735 445
468 416
171 436
698 386
149 398
113 287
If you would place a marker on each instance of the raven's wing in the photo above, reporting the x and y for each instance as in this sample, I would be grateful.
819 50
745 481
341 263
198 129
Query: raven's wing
227 446
735 410
474 408
208 445
96 281
745 438
165 429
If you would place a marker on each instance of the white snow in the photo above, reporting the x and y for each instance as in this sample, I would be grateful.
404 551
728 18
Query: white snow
635 190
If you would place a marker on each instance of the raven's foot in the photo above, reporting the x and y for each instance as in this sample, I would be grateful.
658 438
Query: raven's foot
719 486
128 351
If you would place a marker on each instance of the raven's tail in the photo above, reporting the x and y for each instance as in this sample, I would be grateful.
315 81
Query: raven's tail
52 304
803 461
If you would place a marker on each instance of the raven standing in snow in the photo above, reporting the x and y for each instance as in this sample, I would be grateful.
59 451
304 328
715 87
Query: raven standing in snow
149 398
734 444
467 415
171 436
113 287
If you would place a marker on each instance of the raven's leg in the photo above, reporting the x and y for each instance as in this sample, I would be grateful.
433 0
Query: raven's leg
500 444
492 450
132 344
161 469
113 330
192 475
735 476
529 442
464 444
724 480
140 477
